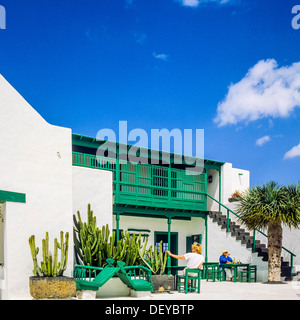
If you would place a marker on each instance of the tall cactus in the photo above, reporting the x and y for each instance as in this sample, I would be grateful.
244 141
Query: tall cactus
94 245
34 251
155 259
50 267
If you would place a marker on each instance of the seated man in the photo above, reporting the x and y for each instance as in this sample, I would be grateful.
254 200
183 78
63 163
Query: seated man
225 259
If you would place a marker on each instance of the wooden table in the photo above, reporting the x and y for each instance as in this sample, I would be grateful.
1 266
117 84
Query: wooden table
235 266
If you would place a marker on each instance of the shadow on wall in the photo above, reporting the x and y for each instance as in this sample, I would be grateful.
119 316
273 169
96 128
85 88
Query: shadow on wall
212 189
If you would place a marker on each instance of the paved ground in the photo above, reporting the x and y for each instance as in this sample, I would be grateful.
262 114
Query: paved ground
290 290
230 291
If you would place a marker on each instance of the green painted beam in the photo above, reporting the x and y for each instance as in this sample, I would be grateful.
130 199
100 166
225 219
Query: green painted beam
157 212
12 197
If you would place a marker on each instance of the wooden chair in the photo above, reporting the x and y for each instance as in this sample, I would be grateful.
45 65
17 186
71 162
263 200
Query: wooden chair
245 273
214 272
189 282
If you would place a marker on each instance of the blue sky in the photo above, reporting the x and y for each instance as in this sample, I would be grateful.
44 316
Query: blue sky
229 67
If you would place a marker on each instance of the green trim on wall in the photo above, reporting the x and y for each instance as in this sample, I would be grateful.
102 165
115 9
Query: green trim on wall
12 197
153 212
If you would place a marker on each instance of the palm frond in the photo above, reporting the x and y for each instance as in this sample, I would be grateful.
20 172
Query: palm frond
260 205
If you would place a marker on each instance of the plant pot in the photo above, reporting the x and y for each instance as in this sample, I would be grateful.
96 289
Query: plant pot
235 199
165 281
52 287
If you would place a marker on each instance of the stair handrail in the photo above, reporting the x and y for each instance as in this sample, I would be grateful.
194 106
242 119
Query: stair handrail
254 230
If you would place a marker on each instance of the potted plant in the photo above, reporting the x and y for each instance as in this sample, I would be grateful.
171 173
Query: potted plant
235 196
48 281
156 261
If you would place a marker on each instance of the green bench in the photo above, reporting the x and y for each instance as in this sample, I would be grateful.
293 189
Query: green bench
92 278
137 278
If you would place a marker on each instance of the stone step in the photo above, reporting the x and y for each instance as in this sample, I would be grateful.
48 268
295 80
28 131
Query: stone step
246 238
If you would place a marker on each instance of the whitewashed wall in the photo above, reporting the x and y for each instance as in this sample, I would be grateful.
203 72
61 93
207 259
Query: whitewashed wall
232 179
2 212
94 187
218 239
35 159
213 190
183 227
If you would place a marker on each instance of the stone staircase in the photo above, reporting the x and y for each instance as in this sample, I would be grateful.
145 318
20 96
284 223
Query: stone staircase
244 236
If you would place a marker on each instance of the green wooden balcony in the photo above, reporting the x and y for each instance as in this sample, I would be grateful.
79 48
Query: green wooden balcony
150 185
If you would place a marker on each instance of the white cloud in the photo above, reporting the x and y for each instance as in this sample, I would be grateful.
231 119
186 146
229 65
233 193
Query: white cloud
140 38
292 153
196 3
161 56
261 141
266 91
190 3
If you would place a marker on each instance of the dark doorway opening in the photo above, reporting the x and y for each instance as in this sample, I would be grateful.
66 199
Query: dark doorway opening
163 236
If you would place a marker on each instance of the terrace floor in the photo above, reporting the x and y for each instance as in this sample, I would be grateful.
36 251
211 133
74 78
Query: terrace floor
229 291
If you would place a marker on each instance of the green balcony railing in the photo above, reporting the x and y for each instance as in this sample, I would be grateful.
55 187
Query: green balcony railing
150 185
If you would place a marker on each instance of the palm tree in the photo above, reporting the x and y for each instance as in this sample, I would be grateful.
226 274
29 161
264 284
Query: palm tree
269 207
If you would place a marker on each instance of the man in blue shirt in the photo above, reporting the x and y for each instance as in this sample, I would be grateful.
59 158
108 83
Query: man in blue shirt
225 259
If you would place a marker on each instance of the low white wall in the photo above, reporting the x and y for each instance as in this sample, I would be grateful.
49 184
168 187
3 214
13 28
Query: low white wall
113 288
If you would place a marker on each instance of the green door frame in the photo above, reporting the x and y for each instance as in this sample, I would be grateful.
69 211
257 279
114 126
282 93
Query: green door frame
169 234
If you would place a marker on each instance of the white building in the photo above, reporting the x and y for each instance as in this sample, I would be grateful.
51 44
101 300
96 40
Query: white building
47 174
